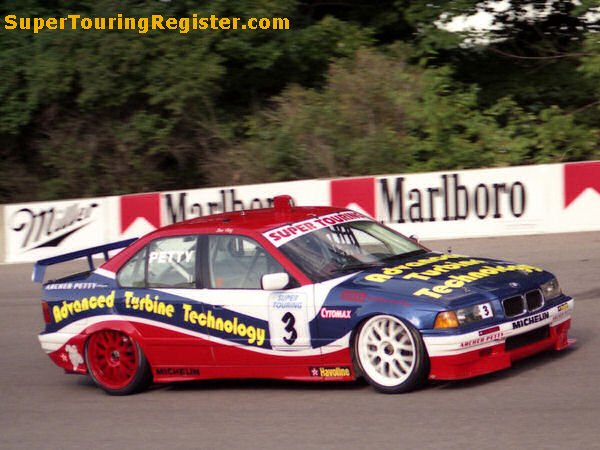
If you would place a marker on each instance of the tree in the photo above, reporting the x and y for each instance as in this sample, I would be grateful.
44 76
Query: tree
350 89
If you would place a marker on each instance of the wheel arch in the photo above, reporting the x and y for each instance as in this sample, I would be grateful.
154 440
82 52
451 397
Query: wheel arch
415 321
123 326
115 376
352 342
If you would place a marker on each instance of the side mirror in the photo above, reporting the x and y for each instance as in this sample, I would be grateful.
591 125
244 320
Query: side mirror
415 238
275 281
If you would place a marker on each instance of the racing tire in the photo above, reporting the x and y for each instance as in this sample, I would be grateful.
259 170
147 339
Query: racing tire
117 363
390 354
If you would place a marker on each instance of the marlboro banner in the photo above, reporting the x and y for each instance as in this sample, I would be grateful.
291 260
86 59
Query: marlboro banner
551 198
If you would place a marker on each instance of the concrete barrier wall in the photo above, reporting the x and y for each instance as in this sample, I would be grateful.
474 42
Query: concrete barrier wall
2 236
485 202
466 203
38 230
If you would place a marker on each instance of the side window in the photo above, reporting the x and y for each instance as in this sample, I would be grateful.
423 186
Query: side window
172 262
133 273
238 262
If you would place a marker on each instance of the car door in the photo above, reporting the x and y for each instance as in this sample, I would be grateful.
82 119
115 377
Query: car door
158 291
252 326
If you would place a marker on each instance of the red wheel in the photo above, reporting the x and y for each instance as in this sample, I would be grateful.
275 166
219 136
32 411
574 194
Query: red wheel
116 362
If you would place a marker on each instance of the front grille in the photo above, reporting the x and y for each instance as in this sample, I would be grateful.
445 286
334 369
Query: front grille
534 300
519 304
513 306
530 337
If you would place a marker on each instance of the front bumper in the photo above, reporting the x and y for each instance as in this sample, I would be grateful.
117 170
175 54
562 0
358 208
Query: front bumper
495 348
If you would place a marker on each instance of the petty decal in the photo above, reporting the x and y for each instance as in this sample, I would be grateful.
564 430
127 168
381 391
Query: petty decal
497 336
286 233
74 285
453 282
170 256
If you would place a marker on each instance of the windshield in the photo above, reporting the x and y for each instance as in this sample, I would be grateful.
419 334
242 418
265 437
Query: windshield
338 249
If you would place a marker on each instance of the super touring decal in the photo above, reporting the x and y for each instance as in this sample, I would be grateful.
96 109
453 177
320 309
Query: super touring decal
286 233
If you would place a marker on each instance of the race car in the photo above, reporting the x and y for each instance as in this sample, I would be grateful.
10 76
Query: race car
295 293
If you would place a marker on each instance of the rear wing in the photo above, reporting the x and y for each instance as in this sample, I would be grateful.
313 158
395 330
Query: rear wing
39 269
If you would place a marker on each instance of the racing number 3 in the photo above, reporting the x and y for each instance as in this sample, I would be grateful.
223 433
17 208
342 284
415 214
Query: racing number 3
289 320
485 311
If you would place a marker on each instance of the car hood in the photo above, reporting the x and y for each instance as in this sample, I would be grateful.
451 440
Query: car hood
448 279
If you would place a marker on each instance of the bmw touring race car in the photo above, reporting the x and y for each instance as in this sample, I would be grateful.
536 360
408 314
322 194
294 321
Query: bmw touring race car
297 293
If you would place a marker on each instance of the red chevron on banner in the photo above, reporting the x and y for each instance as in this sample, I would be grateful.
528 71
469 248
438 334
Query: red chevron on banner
354 193
146 206
578 177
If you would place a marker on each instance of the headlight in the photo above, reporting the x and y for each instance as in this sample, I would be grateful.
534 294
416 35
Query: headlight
551 289
464 316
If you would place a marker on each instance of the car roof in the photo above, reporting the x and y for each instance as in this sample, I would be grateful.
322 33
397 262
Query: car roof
254 220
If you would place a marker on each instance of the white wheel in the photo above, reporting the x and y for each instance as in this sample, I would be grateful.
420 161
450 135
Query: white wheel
391 354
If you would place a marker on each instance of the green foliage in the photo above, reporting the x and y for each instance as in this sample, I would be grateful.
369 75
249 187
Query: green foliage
350 89
352 127
590 61
377 114
16 102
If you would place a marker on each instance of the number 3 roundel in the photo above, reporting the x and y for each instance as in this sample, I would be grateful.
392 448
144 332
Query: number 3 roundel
288 320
